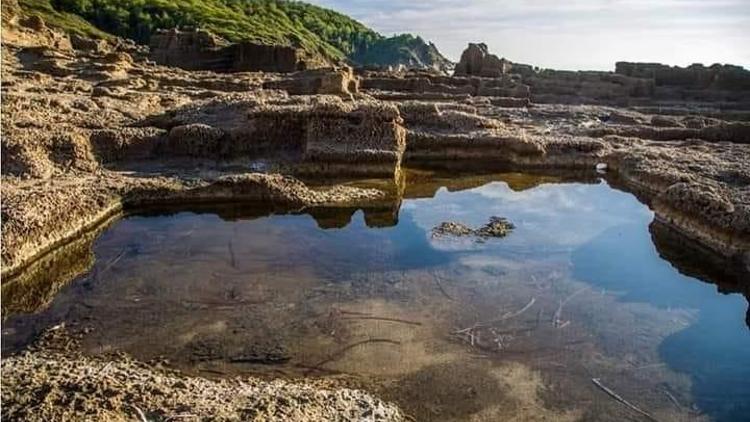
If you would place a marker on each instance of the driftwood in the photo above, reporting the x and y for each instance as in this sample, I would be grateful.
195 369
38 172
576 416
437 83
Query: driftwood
617 397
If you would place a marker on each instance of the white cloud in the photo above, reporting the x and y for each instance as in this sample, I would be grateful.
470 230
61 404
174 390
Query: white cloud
558 215
579 34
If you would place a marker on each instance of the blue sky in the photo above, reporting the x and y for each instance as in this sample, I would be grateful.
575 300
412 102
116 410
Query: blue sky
574 34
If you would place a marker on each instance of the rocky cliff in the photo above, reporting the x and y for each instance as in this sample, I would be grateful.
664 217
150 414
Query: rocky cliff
323 34
202 50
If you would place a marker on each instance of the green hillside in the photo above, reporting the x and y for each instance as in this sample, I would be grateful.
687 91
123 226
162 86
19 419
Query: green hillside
318 30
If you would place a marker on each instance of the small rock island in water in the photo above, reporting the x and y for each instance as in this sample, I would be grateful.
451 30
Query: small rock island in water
236 219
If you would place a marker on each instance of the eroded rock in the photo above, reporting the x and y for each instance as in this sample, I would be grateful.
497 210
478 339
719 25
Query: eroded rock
496 227
476 60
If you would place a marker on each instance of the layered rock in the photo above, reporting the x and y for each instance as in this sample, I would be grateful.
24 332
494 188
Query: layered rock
480 73
326 81
695 76
431 86
201 50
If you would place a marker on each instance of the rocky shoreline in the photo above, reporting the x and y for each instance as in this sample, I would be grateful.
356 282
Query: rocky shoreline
94 129
69 385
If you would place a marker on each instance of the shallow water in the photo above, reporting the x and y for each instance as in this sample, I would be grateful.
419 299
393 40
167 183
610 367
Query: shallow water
449 328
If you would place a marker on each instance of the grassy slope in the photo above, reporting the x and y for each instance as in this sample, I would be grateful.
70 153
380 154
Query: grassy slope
318 30
68 21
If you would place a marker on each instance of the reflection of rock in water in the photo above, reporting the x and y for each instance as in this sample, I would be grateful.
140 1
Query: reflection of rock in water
332 218
422 183
33 289
694 260
381 217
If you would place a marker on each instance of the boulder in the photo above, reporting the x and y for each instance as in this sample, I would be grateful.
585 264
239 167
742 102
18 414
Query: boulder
89 44
476 60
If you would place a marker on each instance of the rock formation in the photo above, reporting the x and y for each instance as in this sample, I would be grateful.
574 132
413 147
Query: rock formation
695 76
201 50
327 81
476 60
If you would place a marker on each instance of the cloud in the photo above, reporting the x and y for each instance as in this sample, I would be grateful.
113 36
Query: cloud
578 34
555 215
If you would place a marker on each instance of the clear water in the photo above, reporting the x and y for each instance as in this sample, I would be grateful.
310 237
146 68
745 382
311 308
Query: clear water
577 291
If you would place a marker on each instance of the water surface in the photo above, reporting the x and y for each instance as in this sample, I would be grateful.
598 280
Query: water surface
450 328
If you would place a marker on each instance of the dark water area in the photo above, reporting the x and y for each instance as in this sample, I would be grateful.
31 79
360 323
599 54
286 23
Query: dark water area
578 290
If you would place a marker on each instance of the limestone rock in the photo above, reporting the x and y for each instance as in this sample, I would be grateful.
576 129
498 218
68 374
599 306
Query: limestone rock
89 44
330 81
202 50
476 60
197 140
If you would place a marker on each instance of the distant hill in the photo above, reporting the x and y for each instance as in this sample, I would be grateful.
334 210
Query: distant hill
320 31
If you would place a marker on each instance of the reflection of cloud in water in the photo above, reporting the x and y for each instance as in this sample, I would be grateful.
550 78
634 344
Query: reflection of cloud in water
547 216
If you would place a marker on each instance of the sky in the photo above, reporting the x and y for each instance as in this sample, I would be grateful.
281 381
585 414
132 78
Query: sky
573 34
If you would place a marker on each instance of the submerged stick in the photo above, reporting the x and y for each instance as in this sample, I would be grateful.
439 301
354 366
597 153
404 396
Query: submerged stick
672 399
345 312
110 264
232 258
617 397
335 355
377 318
522 310
556 320
509 315
436 278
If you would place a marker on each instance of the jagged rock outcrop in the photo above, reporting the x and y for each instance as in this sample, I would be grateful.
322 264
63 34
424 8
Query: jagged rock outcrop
476 60
201 50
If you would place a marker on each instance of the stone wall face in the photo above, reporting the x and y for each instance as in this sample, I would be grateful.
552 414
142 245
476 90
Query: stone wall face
267 58
200 50
191 50
481 74
694 76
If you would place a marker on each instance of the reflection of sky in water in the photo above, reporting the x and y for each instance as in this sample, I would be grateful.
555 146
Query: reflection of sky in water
604 233
546 217
714 350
